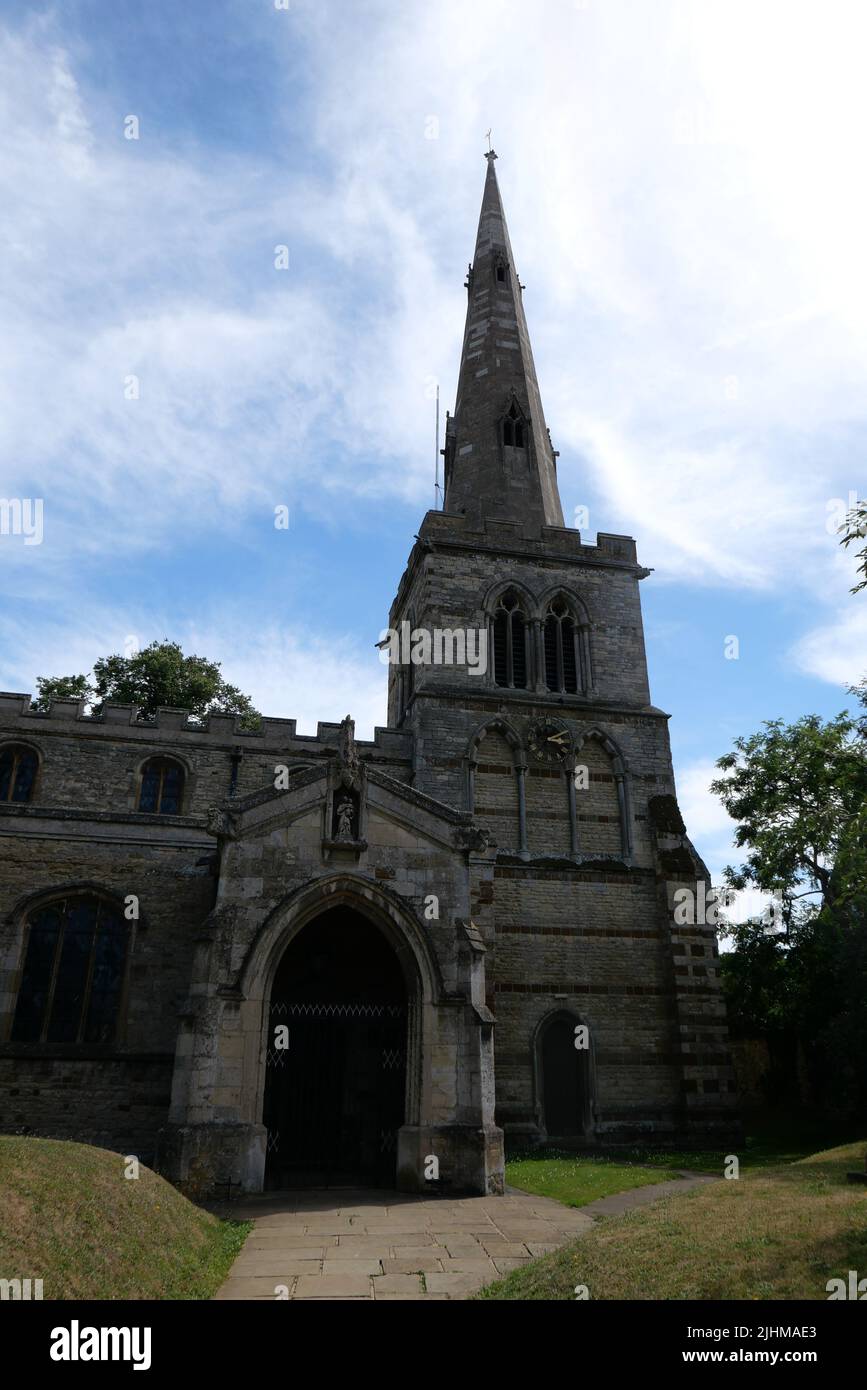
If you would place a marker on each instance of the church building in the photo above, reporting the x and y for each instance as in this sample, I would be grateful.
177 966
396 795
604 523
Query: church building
267 958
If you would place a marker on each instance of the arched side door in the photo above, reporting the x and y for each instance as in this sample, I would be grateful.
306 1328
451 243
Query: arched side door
565 1076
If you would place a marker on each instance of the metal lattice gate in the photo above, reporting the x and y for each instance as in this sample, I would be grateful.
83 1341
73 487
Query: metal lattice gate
335 1094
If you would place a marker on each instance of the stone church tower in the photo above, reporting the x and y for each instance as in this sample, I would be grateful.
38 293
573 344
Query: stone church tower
269 958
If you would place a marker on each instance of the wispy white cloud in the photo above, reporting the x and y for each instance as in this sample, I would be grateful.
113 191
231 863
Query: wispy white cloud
695 338
289 671
711 830
703 811
157 366
836 650
688 227
294 673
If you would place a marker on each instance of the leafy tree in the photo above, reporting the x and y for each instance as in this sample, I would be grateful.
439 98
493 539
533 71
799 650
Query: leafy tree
754 975
796 792
799 795
782 989
840 1050
158 675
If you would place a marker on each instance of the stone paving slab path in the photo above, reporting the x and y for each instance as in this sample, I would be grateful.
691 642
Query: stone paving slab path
343 1243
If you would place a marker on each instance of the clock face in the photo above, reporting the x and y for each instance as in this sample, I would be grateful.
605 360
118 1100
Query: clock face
548 742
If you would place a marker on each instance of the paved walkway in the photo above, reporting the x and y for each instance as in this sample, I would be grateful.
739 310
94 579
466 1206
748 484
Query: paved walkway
341 1243
641 1196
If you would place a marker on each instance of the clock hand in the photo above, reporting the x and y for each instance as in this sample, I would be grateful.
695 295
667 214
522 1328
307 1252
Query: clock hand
556 738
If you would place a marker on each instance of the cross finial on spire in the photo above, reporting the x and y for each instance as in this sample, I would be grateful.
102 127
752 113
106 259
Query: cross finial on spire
489 153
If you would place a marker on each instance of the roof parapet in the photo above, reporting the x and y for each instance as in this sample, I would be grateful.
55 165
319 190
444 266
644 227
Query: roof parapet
169 722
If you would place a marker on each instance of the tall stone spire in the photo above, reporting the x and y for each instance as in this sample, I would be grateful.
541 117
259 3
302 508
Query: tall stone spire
499 461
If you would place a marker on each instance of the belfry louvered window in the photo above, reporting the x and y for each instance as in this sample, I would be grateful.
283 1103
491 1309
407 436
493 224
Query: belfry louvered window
514 429
73 974
561 649
510 643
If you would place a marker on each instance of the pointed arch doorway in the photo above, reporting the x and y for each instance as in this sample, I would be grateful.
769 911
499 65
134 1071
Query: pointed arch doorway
564 1077
335 1094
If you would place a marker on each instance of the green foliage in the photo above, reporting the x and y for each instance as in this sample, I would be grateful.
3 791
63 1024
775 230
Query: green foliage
796 792
755 981
158 675
783 984
799 795
855 528
62 688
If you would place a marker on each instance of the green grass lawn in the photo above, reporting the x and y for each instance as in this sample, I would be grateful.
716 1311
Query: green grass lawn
575 1179
69 1217
753 1153
780 1140
777 1232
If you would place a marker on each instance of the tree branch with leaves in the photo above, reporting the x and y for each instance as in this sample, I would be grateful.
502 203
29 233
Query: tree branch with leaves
854 529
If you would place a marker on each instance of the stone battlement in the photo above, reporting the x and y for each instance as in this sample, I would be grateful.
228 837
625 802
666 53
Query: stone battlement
552 542
115 719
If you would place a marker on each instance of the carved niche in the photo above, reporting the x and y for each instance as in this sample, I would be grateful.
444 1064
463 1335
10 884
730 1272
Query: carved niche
345 794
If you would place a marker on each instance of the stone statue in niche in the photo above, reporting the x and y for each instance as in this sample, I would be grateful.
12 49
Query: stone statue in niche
344 817
347 782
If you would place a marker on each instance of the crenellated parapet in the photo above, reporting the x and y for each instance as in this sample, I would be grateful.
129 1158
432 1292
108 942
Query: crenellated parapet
99 763
17 713
553 542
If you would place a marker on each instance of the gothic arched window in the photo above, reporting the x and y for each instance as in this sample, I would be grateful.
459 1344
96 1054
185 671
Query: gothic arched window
18 768
561 649
514 428
162 787
73 972
510 642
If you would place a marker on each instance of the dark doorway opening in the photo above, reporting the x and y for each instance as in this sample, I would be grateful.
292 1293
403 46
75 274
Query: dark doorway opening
335 1094
564 1081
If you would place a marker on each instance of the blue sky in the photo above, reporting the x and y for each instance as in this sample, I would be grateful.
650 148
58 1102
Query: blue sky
681 183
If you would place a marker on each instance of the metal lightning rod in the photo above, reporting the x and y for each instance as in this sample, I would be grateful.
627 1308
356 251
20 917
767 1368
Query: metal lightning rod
437 455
